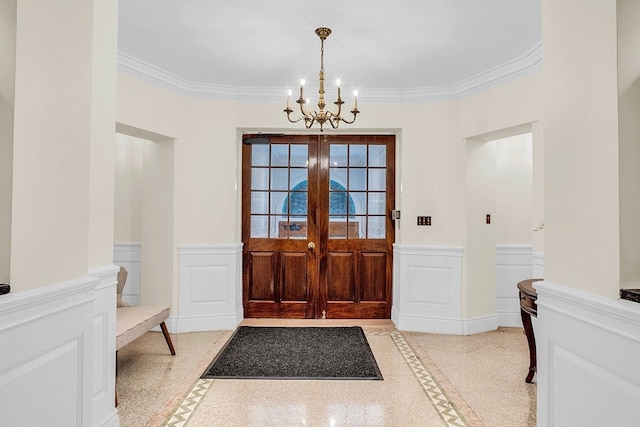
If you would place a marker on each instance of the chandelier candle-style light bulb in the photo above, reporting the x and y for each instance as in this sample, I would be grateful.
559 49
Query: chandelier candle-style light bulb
321 116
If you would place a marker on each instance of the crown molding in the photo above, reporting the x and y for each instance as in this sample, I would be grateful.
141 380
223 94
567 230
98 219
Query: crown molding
521 66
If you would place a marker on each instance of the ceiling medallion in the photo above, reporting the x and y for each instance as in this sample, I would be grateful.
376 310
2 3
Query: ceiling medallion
322 116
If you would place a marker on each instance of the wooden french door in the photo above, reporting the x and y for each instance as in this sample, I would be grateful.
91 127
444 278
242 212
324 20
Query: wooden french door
317 227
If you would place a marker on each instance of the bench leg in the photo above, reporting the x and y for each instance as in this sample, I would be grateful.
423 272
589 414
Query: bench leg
116 382
167 338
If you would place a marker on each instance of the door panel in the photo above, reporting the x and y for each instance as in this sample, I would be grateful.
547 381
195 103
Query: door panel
341 268
262 280
317 228
294 277
373 273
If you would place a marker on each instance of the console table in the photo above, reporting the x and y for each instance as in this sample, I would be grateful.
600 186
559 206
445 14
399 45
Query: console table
528 308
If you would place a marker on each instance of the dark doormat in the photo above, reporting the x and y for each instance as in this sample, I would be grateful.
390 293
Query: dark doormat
317 353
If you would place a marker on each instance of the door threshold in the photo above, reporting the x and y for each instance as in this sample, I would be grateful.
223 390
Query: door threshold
317 322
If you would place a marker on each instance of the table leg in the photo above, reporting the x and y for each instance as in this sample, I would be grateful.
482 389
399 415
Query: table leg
531 339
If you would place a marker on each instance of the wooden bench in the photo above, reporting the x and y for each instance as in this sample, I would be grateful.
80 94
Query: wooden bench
133 321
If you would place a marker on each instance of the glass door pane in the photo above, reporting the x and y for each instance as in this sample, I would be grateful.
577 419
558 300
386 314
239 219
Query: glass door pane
357 186
279 191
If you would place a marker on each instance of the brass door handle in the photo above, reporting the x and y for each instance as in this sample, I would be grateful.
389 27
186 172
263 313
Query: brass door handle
311 246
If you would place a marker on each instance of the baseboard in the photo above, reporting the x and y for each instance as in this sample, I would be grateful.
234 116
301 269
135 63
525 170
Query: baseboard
509 319
111 421
480 324
202 323
447 325
432 325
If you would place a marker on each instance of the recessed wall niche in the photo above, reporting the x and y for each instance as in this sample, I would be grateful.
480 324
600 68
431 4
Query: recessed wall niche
144 217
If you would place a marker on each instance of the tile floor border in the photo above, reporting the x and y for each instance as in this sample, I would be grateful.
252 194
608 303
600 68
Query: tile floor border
188 406
444 406
467 413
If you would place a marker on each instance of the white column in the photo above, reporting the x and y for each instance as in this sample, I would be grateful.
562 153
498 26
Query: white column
582 245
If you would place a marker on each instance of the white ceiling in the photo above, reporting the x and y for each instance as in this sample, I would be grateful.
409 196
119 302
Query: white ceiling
407 49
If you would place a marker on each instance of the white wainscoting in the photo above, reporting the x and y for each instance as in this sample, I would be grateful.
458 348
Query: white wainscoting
128 255
588 359
46 355
538 264
104 347
427 289
513 264
210 295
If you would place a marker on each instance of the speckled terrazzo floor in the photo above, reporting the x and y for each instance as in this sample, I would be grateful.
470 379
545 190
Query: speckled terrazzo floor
429 380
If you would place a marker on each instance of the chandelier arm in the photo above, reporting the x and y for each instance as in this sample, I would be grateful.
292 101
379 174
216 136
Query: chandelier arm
355 112
301 102
331 118
339 103
289 111
293 121
309 120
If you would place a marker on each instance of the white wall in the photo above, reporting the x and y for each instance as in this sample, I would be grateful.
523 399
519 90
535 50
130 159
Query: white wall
102 137
7 99
159 252
582 243
537 195
55 154
628 16
431 177
129 167
480 247
128 189
514 190
499 254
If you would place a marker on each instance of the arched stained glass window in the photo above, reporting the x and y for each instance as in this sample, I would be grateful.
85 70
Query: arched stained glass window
339 201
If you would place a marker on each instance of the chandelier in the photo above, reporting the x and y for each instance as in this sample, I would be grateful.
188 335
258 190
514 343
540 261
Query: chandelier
322 116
